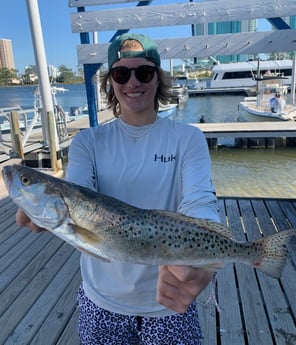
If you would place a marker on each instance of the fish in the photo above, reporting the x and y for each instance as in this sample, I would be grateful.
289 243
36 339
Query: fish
110 229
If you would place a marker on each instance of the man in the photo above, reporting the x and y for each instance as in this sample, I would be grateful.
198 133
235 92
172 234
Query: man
151 163
277 104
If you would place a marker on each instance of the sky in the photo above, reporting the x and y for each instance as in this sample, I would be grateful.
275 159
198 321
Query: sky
60 43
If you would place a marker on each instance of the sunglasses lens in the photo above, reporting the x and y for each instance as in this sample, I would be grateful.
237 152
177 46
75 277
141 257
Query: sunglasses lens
143 73
121 74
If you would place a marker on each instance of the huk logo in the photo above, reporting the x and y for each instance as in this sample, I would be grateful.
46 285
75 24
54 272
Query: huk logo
164 159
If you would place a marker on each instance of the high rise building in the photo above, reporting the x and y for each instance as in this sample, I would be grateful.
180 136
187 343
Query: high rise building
6 54
292 22
225 28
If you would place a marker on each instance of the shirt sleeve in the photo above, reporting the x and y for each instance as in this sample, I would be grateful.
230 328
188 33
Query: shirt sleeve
81 163
198 192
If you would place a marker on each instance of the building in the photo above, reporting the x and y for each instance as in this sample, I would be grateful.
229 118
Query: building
225 28
6 54
291 21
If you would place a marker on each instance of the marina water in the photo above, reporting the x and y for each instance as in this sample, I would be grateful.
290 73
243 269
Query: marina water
237 172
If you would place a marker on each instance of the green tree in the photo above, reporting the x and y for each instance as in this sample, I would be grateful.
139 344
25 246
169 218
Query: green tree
66 75
6 76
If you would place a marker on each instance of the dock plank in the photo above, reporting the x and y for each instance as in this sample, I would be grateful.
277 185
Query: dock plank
231 323
22 272
281 320
59 316
209 316
26 300
35 317
253 310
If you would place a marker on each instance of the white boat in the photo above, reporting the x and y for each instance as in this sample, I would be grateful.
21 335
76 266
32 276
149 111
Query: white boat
166 110
241 76
259 109
179 94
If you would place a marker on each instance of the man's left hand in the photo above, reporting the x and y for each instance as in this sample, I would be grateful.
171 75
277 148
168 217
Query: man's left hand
178 286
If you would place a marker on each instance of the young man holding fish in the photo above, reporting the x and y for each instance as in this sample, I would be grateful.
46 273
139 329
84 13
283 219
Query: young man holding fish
151 163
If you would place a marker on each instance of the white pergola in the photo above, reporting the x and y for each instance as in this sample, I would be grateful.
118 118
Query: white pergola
173 14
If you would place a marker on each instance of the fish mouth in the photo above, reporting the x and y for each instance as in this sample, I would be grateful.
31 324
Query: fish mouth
11 181
7 176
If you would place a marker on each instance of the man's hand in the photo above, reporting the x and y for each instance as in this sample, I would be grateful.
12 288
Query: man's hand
23 220
178 286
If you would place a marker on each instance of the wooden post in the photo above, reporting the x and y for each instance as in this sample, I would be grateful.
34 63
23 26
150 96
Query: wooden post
56 164
16 135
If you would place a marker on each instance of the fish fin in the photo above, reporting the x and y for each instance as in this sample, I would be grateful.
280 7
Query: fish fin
274 252
211 267
90 238
86 235
214 267
84 251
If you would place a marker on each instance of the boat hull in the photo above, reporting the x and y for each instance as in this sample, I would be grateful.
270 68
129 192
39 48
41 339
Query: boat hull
250 113
167 110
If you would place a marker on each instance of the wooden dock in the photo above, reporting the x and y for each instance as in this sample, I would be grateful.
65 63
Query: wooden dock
263 133
40 276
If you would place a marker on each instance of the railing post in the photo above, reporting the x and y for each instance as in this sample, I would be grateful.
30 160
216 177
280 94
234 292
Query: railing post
56 163
16 135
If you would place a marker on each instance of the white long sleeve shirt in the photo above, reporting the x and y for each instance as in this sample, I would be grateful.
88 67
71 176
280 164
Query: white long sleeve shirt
163 166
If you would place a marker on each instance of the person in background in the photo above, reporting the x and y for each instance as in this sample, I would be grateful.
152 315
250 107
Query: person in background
151 163
277 104
202 119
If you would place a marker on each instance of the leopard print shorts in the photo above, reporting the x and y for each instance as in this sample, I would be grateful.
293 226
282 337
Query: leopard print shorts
97 326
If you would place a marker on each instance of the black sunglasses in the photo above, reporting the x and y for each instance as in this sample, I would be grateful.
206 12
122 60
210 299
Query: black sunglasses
144 73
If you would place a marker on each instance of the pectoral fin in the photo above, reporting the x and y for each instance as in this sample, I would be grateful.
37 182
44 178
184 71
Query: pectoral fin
92 240
96 256
211 267
86 235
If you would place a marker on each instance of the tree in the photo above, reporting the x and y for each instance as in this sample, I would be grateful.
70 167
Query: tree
65 75
7 75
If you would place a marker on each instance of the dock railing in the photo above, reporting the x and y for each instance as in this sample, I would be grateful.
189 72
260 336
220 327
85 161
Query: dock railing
21 131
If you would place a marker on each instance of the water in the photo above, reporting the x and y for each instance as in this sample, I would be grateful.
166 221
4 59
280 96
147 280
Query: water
220 108
255 172
242 172
236 172
24 96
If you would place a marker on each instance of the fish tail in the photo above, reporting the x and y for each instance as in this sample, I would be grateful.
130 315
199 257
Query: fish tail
273 252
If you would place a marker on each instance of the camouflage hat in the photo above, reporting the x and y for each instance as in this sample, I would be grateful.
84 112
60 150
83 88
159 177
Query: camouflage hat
150 50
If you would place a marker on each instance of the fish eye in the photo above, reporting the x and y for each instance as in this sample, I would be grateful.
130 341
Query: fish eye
25 180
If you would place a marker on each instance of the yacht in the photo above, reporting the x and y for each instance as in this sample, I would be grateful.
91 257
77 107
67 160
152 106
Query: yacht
241 76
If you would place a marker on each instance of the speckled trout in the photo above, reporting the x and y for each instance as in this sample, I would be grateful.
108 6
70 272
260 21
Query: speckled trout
110 229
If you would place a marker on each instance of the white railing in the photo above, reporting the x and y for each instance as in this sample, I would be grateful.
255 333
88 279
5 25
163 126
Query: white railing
21 132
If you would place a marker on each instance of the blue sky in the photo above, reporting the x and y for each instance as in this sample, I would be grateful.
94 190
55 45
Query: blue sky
60 43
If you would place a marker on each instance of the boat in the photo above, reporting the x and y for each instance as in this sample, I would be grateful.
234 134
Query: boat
179 94
240 77
167 110
259 109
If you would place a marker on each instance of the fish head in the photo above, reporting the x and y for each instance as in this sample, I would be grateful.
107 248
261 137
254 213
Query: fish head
32 192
